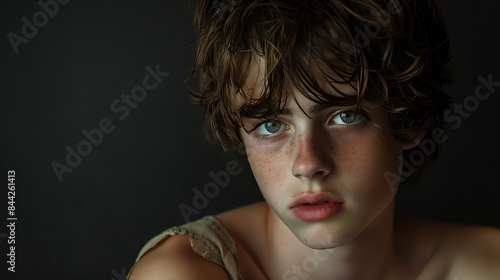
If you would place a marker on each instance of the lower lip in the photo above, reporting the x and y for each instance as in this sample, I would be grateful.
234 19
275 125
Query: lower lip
316 212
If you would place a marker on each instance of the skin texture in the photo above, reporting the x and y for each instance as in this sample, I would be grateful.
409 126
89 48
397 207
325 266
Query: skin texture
321 153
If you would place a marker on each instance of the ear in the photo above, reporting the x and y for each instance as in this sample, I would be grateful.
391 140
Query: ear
412 138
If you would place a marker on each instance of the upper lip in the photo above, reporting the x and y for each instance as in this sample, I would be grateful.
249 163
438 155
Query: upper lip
314 198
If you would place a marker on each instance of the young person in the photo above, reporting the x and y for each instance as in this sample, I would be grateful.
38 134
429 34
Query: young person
325 99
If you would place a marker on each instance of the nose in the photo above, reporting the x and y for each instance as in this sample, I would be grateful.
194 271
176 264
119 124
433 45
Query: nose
313 156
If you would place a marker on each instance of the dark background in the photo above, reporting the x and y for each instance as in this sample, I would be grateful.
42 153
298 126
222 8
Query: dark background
93 223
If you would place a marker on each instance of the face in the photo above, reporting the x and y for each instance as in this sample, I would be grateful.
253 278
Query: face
322 173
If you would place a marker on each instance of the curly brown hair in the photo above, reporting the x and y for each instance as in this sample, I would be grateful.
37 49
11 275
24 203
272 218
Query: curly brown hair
393 52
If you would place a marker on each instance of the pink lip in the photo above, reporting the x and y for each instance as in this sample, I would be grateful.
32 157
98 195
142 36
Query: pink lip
305 207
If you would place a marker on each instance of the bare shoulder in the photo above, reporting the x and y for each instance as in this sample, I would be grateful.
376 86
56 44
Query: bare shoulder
476 252
456 251
174 259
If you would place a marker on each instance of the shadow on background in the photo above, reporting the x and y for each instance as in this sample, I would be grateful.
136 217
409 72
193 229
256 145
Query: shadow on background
97 93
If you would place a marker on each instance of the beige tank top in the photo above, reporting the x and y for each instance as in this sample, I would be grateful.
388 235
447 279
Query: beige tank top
208 238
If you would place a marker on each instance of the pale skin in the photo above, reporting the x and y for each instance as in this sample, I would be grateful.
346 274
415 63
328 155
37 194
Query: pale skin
331 150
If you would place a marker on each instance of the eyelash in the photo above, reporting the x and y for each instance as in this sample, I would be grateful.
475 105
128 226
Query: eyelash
284 126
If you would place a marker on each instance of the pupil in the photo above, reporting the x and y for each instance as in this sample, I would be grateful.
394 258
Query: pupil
273 126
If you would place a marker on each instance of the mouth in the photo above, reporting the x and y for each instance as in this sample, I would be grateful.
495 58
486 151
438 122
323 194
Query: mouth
315 199
315 207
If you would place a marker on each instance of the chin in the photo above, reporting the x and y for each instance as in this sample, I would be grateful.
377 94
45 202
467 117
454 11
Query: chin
321 236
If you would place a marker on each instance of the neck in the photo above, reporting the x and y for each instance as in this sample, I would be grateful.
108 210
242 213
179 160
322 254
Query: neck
368 256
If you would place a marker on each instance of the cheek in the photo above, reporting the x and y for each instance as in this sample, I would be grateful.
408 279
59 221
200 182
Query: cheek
265 166
268 167
366 164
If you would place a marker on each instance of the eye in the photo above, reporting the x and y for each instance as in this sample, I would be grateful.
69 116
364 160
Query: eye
347 118
270 127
